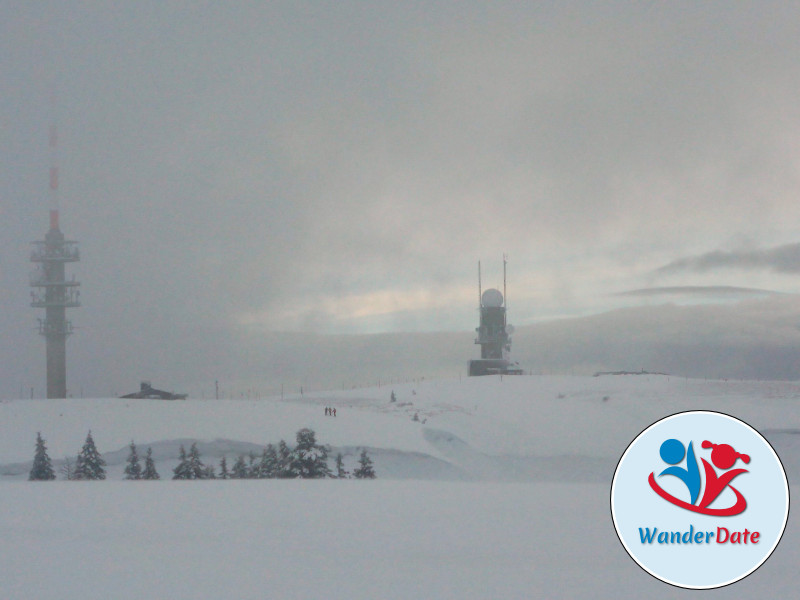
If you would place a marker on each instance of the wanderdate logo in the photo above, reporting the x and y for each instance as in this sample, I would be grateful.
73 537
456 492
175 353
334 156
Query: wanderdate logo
723 457
699 499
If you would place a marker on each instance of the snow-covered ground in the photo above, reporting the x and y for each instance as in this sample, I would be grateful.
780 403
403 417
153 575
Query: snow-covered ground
488 488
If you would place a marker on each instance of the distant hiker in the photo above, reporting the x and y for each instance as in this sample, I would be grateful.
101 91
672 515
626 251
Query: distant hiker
334 412
327 411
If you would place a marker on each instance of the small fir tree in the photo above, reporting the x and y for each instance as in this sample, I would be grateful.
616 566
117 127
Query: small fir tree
150 466
239 469
252 467
133 470
190 466
223 469
90 464
341 473
284 466
42 469
67 469
181 470
364 470
309 459
196 466
266 468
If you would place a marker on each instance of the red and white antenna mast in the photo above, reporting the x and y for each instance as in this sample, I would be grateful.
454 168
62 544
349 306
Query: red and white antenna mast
53 163
52 290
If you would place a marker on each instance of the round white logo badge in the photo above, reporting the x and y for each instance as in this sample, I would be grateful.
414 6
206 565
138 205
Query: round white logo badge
699 499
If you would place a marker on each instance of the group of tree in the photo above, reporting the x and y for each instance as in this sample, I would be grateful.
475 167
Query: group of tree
307 460
88 465
133 469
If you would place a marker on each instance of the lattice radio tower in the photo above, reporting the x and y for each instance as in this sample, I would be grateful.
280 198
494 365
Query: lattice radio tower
52 291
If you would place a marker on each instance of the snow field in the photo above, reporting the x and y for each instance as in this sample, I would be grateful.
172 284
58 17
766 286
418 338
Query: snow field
532 519
330 539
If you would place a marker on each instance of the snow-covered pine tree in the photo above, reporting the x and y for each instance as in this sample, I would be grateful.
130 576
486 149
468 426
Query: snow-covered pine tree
239 469
133 470
252 467
190 466
196 466
223 469
42 469
284 465
309 459
364 470
341 473
266 467
181 470
273 461
89 464
150 466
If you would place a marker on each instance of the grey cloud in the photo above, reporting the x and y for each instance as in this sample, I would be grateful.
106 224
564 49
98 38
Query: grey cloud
757 339
226 160
781 259
712 291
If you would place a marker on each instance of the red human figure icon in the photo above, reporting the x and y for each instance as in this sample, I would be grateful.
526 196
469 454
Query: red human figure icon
724 457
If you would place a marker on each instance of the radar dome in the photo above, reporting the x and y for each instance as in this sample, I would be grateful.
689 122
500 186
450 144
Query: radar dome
492 298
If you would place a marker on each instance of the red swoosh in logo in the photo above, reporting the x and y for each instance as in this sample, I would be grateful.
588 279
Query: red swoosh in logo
737 508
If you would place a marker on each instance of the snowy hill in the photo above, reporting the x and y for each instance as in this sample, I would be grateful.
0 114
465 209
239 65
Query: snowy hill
512 428
515 504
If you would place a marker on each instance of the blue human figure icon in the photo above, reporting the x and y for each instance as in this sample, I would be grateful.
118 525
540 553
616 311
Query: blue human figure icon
672 453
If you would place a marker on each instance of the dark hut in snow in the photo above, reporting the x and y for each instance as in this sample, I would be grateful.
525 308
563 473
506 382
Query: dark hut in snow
148 391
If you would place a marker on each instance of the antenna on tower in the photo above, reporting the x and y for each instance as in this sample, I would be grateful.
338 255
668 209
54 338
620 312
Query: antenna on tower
480 296
493 331
53 143
505 295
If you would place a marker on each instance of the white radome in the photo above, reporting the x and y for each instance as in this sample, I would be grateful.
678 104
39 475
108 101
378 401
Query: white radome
492 298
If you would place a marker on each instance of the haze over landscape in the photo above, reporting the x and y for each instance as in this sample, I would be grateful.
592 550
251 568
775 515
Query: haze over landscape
249 182
280 209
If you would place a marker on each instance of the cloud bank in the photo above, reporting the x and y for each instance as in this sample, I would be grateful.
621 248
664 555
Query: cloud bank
339 168
780 259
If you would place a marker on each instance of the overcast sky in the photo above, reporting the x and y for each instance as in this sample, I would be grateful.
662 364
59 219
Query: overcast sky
340 167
